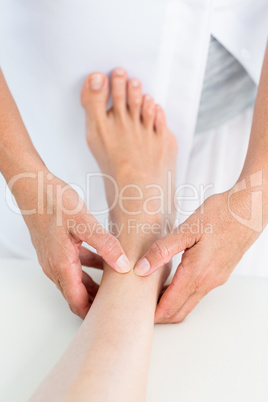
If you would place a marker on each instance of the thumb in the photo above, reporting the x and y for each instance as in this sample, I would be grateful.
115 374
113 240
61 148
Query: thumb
163 250
107 246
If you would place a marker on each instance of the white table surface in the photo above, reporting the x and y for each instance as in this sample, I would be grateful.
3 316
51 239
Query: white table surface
218 354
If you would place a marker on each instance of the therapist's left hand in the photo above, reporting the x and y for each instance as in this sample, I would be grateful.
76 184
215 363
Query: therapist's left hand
214 240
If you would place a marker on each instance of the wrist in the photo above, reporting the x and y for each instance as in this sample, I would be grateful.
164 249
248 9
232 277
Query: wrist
255 178
26 179
248 202
15 161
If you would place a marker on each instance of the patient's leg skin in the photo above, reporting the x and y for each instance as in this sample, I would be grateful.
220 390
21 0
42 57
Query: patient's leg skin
108 358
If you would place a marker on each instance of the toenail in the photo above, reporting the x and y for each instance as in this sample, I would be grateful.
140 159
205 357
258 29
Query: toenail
135 83
96 81
148 97
119 71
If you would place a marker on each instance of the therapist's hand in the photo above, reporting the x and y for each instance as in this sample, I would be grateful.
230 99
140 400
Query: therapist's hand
213 239
59 221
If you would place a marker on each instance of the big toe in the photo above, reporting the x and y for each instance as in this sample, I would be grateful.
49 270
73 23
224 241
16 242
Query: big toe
94 94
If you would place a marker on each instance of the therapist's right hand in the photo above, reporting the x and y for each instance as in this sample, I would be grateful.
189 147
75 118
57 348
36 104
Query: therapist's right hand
59 222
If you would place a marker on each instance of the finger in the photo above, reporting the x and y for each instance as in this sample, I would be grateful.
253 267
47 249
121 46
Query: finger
164 288
49 273
91 286
107 246
74 291
187 307
180 289
90 259
73 310
163 250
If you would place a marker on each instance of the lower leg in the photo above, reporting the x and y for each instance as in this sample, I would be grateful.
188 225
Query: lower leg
108 358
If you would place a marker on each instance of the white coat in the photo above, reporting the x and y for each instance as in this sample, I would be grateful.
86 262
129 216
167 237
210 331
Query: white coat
48 47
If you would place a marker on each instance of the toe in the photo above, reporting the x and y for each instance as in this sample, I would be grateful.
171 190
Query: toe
160 120
134 97
119 90
148 111
94 94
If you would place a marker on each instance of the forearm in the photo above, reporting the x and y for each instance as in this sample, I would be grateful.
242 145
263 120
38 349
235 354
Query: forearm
17 153
257 155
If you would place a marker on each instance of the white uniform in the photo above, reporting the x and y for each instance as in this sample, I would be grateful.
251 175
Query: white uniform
48 47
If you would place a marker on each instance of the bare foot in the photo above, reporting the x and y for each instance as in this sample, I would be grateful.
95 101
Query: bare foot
131 141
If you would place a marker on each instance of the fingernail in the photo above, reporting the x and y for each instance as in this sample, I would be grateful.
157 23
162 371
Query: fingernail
123 264
119 71
96 82
135 83
143 267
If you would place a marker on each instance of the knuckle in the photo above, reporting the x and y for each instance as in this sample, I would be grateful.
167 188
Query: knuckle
51 260
191 288
160 249
56 272
164 311
74 309
77 310
191 258
68 293
58 285
177 320
108 246
72 304
221 281
186 260
40 258
168 314
47 272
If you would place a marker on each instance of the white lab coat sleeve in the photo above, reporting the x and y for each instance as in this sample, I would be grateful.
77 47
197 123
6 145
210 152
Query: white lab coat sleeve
242 27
